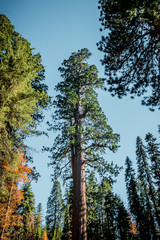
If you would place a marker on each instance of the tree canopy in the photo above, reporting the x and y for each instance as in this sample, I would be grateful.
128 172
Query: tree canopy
23 95
77 98
132 48
143 191
84 133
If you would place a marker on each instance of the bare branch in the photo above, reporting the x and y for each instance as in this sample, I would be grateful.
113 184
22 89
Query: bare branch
84 114
65 165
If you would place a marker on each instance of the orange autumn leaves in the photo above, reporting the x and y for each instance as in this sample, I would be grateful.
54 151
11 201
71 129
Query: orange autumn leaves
9 217
44 236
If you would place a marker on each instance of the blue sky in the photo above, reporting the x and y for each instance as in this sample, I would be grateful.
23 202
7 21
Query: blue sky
56 29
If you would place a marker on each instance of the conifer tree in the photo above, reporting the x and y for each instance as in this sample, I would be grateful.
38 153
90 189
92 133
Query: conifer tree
135 204
147 188
154 155
110 229
92 197
57 233
143 192
68 204
26 211
123 221
38 222
153 151
107 217
131 48
23 96
84 134
54 210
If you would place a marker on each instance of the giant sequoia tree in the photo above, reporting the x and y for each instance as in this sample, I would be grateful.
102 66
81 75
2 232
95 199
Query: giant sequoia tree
132 48
84 132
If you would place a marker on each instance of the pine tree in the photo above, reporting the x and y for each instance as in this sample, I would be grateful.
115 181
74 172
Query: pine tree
38 222
107 217
135 204
23 96
154 155
93 224
131 45
57 233
68 205
147 188
123 221
26 211
54 210
143 192
85 133
110 228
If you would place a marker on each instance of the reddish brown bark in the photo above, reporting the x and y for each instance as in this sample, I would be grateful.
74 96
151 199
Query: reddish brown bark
79 228
79 200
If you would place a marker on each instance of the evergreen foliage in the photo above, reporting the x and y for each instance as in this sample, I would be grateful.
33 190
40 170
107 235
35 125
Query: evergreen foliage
107 217
38 222
130 46
89 210
26 210
22 93
23 97
84 132
143 192
80 81
67 213
54 212
135 205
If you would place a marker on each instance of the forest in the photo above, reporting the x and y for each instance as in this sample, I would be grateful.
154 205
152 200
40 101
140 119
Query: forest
82 203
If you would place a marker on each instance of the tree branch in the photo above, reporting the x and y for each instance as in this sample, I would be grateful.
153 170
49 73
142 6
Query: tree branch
64 166
84 114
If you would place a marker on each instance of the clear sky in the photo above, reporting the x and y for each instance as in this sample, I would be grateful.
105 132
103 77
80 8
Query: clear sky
56 28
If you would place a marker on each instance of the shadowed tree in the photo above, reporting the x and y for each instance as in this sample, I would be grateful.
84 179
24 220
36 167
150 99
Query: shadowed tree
54 210
68 205
147 187
122 221
132 48
93 223
38 222
143 191
26 211
153 150
135 204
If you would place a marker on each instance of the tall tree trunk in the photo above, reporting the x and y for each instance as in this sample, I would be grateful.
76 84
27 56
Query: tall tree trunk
79 200
79 229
